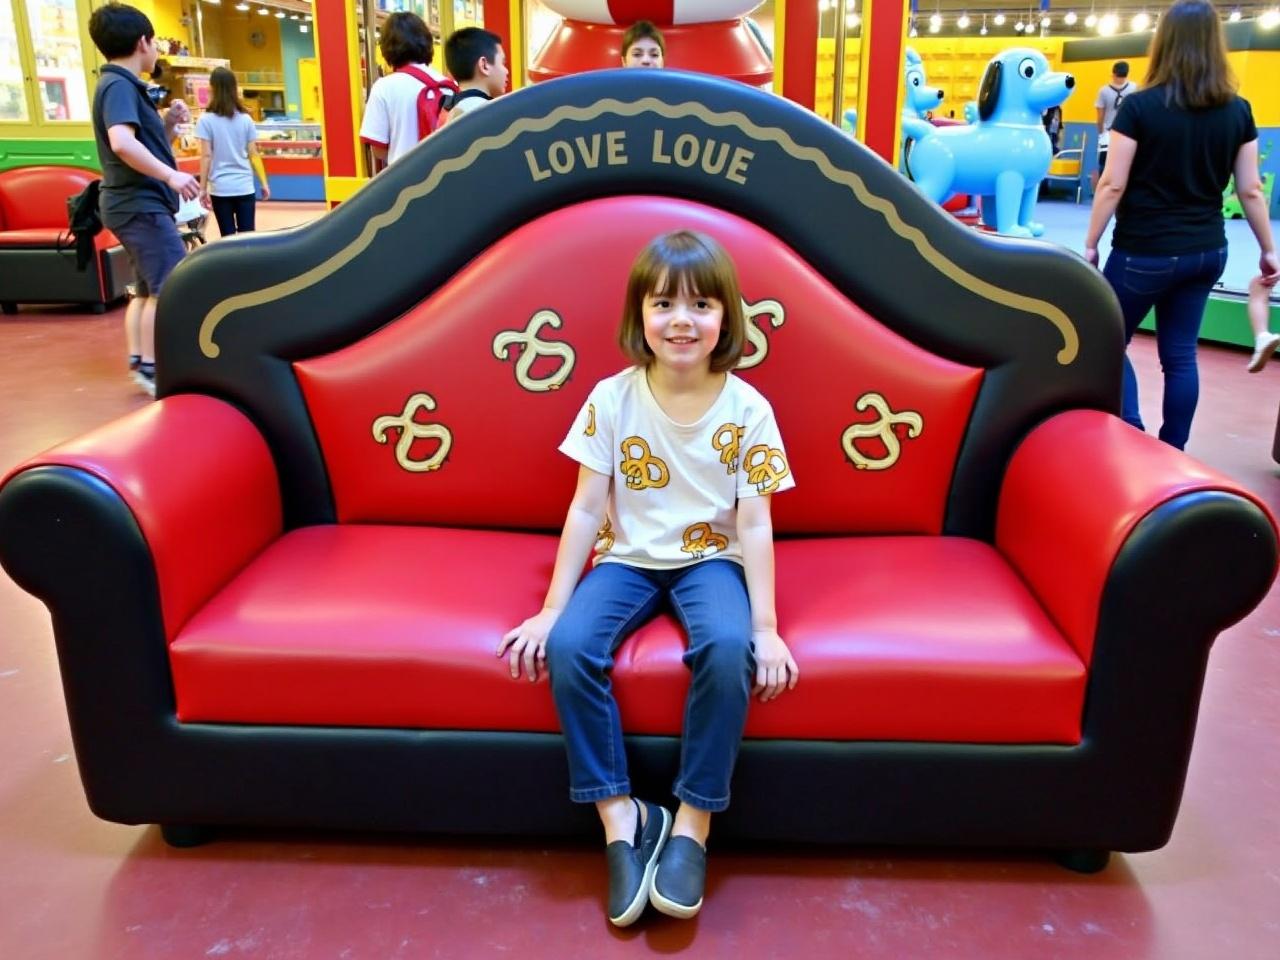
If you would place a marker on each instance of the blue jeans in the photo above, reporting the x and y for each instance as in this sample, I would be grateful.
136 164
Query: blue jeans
710 600
1178 288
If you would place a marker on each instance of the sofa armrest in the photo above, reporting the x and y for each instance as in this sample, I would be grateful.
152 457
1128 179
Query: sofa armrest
1078 488
193 472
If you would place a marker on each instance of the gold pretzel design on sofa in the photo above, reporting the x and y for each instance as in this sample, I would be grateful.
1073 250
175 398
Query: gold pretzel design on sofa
699 538
411 430
728 439
882 428
641 468
776 315
766 467
531 348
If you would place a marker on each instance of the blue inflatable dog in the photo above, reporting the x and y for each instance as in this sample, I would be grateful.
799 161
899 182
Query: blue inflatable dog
920 99
1003 156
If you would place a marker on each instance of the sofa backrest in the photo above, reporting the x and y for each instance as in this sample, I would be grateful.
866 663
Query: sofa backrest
398 353
32 198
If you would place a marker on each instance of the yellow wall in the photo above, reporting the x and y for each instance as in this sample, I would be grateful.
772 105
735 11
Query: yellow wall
166 17
1256 70
955 64
236 29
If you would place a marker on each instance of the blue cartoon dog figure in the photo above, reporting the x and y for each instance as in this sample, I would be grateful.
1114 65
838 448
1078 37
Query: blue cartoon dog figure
920 99
1005 153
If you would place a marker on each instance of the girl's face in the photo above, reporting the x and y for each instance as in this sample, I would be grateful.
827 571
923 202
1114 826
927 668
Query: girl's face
682 328
645 52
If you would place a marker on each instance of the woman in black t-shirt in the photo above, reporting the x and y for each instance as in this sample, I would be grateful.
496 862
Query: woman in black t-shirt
1174 145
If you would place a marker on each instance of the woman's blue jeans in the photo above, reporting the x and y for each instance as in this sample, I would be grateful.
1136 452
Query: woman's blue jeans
1178 288
710 600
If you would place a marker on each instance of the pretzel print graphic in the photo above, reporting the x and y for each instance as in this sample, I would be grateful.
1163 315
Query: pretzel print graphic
590 430
728 440
766 467
640 467
531 348
699 539
882 428
605 538
410 430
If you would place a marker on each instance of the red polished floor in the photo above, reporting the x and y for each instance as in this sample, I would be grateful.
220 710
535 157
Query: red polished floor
73 887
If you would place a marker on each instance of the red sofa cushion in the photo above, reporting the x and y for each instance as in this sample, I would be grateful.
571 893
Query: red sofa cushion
502 467
36 197
898 638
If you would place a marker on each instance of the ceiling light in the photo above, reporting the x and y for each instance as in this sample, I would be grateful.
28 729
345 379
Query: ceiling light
1070 18
934 27
935 23
852 20
242 6
1046 20
1140 21
1234 16
999 19
1019 27
913 32
1269 19
824 6
1091 21
214 2
264 12
1109 24
963 22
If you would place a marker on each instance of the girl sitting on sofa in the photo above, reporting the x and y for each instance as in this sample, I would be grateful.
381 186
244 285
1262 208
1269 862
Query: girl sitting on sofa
678 458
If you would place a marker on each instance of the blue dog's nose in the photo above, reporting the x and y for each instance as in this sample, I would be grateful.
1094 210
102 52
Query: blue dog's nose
1071 81
939 94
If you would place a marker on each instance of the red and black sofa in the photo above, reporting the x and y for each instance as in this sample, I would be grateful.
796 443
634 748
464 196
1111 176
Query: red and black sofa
37 251
276 592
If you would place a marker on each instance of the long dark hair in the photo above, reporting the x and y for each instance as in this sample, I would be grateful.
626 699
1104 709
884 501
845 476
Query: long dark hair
224 96
1189 57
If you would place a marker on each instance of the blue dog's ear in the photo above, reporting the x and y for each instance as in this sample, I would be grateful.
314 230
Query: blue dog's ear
990 91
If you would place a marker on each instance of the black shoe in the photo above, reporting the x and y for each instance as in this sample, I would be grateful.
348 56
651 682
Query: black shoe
631 866
682 873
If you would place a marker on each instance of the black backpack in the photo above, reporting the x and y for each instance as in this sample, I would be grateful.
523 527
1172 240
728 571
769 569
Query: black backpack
85 220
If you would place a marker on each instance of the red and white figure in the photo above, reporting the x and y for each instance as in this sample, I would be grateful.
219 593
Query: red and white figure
709 36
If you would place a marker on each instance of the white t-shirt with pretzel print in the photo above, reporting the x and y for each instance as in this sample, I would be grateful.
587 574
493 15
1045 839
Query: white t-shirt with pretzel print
673 500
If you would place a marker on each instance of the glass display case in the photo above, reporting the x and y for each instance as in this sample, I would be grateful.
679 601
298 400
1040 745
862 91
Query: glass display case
289 138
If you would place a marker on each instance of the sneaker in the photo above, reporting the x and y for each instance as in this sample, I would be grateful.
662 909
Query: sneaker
1262 351
632 865
147 383
682 873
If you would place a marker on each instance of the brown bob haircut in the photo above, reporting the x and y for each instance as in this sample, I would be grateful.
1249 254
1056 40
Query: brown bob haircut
406 39
1189 57
643 30
684 262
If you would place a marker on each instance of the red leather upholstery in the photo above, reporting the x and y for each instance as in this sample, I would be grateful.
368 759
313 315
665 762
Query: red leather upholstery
503 468
43 237
1061 524
201 484
36 197
908 638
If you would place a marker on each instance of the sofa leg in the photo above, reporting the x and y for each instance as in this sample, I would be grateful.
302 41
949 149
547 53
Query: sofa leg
8 307
185 834
1084 861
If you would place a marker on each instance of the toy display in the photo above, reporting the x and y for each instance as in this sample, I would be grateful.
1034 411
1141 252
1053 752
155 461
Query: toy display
1005 153
919 100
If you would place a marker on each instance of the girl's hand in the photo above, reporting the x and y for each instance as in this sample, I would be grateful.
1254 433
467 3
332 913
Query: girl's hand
1091 255
1269 264
776 670
528 643
266 192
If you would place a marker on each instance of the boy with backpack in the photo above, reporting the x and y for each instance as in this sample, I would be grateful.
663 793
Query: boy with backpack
141 184
476 60
404 106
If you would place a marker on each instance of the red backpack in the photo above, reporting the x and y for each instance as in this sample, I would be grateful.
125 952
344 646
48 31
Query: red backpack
429 106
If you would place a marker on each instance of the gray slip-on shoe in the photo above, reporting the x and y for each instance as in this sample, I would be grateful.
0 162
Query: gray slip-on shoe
632 865
682 873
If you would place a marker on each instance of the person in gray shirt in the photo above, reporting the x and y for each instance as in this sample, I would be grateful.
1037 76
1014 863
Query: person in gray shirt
1108 105
229 156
